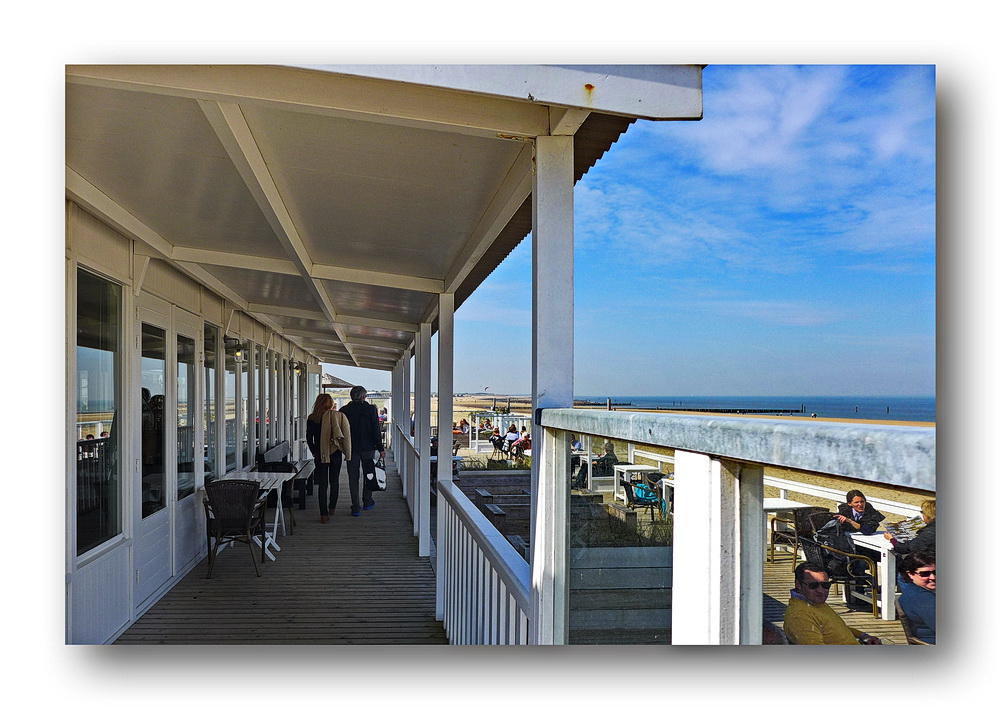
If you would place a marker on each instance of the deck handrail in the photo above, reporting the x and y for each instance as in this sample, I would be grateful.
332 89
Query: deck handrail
488 595
886 453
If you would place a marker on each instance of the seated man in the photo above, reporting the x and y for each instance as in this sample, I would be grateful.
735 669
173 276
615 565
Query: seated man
604 465
810 620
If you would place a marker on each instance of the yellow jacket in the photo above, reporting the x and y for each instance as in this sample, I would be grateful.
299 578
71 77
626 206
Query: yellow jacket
334 435
807 623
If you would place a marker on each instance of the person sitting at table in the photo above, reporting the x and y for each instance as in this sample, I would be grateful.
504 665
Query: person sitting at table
858 513
924 540
604 465
463 426
919 597
809 620
509 438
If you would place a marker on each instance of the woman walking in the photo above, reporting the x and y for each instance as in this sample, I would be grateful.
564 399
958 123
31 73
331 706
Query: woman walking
328 435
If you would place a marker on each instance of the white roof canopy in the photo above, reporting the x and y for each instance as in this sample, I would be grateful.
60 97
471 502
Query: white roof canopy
334 204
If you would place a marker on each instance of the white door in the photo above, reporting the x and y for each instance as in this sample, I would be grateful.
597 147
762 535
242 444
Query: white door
152 555
189 450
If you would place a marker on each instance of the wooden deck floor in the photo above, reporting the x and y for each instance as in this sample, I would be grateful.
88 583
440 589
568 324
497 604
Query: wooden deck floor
778 580
351 581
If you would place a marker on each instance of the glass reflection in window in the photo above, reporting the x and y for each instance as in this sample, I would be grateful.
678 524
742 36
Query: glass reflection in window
154 390
185 416
98 382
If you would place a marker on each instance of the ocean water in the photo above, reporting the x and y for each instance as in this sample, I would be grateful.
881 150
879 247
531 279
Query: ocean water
912 409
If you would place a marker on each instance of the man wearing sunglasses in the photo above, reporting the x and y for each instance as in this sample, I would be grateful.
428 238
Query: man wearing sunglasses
810 620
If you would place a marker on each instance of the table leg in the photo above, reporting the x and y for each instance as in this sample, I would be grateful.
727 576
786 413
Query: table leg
888 585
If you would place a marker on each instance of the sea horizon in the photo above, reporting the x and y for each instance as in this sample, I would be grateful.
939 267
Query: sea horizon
878 407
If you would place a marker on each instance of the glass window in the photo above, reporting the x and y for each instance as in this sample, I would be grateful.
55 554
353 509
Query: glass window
249 411
98 382
154 390
211 444
185 416
229 399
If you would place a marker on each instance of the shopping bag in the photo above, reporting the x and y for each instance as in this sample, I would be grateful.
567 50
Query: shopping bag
375 481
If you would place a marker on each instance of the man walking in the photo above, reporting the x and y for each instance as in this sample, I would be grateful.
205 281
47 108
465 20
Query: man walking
366 439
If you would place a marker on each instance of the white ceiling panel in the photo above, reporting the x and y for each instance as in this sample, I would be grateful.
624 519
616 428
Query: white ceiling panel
333 206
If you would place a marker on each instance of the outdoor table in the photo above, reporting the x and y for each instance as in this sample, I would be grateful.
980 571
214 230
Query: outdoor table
886 569
269 481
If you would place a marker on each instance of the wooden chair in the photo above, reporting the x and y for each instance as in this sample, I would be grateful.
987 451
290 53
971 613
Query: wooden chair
908 627
234 512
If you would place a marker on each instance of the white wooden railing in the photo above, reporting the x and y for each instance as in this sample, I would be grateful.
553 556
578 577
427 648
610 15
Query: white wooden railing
486 583
719 488
488 594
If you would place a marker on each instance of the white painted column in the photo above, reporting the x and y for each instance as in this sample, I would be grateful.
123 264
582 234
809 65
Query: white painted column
752 521
551 380
446 411
395 406
707 562
405 414
422 386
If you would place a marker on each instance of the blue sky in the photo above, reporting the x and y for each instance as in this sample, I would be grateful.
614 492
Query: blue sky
783 245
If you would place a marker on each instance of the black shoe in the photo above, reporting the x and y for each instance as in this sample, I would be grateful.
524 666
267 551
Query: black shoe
369 507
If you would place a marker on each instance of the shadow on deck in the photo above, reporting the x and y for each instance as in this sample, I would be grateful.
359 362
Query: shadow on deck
351 581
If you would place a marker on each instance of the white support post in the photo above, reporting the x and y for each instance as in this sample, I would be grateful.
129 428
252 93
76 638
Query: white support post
551 380
706 587
752 520
405 419
446 411
394 409
422 507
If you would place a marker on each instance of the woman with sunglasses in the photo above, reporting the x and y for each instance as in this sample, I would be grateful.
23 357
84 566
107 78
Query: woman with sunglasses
919 597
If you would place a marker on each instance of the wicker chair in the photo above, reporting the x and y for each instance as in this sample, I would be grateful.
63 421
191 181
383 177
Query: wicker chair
234 512
908 627
803 523
840 566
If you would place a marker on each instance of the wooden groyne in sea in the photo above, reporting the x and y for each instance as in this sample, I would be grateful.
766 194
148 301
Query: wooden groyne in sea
724 410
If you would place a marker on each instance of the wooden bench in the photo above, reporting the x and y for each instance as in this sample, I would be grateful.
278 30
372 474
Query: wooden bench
521 545
509 519
303 482
484 497
623 512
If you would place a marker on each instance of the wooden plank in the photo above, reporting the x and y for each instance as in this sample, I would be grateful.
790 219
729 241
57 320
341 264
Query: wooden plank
605 557
352 581
637 578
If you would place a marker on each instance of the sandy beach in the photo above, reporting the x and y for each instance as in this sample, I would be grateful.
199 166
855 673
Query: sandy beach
519 404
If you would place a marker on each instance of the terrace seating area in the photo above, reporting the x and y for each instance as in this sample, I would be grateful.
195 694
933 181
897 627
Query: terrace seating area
779 579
